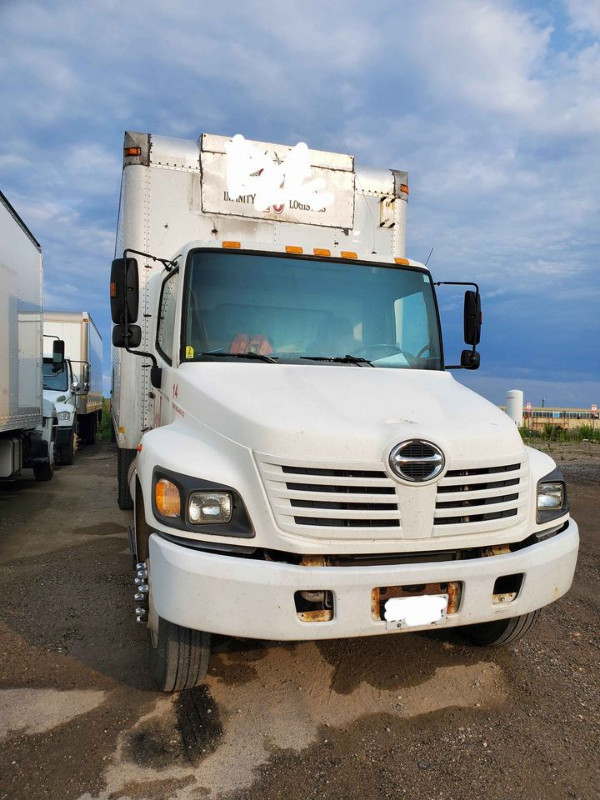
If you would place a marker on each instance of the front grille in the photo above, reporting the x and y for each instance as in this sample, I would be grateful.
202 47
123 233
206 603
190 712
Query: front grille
338 501
417 472
481 498
340 473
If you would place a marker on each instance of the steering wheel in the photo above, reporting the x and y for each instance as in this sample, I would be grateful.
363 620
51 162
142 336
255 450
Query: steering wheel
378 350
424 349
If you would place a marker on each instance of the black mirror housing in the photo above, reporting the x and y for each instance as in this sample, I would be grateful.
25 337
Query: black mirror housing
472 318
130 337
156 376
124 290
469 359
58 352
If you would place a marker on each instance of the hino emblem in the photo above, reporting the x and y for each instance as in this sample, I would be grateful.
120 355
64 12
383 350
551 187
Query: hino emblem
417 461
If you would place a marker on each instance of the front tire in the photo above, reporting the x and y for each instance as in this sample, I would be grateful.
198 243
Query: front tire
502 631
178 656
63 455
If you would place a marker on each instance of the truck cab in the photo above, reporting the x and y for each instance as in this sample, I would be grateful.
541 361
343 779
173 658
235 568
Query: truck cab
301 462
60 391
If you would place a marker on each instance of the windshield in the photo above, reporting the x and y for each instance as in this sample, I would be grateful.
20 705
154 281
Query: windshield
297 310
55 379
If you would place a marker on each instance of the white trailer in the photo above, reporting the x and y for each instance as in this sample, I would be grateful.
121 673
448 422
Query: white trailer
25 431
301 463
79 385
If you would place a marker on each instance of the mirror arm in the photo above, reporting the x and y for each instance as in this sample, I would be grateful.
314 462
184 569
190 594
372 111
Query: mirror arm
457 283
460 283
168 265
155 371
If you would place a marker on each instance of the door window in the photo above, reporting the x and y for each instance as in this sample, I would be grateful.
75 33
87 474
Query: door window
166 319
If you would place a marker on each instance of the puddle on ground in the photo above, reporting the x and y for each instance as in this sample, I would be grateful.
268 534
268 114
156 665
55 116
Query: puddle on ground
182 733
221 733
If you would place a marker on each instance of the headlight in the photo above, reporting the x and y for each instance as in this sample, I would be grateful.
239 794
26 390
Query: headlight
64 416
551 497
199 506
206 507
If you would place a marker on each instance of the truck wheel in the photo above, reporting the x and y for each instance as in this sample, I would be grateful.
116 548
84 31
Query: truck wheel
124 459
178 656
503 631
63 455
43 472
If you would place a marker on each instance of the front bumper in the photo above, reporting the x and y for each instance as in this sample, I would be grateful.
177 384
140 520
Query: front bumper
255 599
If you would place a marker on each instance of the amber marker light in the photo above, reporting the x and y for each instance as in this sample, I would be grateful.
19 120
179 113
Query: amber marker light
319 251
289 248
166 496
348 254
404 188
404 261
132 151
232 245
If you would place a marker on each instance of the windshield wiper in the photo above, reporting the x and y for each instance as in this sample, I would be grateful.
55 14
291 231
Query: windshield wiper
257 356
341 359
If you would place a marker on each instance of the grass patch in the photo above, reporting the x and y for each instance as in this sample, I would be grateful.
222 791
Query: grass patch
556 433
105 427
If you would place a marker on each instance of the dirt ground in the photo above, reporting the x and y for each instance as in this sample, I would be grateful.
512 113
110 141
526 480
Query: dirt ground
416 716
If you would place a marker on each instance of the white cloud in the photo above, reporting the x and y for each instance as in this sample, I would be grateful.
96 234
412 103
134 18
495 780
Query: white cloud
40 214
484 54
585 14
493 108
11 161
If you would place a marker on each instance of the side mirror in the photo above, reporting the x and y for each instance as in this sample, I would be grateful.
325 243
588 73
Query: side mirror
124 290
469 359
126 337
472 318
58 352
76 387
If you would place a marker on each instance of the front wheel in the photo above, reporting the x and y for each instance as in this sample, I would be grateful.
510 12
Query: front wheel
63 454
178 656
502 631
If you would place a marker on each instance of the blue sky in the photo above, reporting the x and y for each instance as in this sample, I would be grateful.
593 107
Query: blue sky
493 108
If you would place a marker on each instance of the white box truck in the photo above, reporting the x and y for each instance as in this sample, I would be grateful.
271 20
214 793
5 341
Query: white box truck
300 461
79 383
26 422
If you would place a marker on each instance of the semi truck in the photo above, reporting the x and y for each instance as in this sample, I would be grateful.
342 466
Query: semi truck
300 461
78 384
26 420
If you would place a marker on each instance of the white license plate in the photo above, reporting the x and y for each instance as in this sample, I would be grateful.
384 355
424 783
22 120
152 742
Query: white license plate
415 612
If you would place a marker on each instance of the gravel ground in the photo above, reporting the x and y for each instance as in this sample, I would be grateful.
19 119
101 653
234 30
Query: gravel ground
414 716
